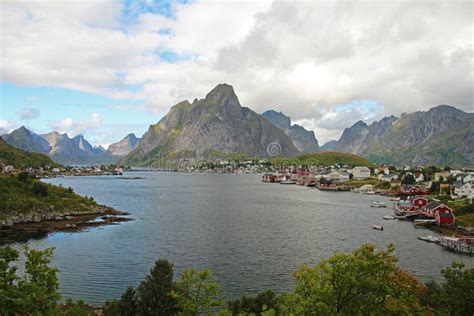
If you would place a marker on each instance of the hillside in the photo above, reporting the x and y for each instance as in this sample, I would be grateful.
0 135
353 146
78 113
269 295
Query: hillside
326 159
211 127
21 159
442 136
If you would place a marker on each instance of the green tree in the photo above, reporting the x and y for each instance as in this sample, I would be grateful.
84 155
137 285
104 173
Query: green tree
455 295
155 293
408 179
255 305
366 282
128 303
36 293
196 293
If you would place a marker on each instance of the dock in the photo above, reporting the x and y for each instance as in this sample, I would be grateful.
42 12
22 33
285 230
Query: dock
458 244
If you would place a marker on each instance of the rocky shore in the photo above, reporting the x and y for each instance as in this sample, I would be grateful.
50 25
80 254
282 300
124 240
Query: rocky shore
21 227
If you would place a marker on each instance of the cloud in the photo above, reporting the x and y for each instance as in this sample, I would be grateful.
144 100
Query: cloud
73 127
27 114
303 58
7 126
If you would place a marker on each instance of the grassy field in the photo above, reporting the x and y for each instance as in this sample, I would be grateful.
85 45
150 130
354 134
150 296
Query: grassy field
30 196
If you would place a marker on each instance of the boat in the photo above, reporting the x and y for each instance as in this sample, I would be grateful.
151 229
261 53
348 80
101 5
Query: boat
377 227
287 180
370 192
378 204
389 217
433 239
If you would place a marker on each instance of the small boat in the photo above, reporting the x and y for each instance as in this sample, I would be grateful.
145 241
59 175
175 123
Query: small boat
370 192
287 180
430 239
377 227
389 217
378 204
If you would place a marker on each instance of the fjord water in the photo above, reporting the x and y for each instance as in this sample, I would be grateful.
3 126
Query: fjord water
252 235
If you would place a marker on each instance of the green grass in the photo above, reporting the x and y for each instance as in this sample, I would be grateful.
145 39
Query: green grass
463 210
22 197
358 183
21 159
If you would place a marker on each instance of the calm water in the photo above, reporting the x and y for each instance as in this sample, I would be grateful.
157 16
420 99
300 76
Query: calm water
251 234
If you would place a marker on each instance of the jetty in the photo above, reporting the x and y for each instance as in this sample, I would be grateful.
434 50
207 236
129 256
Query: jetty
458 244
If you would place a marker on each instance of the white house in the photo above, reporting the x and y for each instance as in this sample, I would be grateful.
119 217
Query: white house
339 176
360 173
387 177
467 189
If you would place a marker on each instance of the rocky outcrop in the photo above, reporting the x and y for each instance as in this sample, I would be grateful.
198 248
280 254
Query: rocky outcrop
304 140
215 126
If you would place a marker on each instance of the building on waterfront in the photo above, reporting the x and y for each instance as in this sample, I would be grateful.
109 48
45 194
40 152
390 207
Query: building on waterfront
360 173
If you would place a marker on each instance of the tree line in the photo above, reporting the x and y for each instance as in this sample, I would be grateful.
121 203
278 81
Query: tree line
366 281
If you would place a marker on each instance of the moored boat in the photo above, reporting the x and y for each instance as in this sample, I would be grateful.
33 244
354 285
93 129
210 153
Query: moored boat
389 217
378 204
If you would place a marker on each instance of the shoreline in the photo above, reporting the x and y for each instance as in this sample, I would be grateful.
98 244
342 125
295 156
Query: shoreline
25 229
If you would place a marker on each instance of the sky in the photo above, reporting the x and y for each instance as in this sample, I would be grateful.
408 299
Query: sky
107 68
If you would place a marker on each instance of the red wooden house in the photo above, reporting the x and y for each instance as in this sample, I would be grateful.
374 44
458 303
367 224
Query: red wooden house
419 202
440 212
410 190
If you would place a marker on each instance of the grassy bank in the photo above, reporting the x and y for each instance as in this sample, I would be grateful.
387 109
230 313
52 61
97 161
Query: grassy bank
24 195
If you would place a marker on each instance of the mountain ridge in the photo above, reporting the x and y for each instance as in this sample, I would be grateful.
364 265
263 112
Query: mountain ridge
215 126
305 141
442 135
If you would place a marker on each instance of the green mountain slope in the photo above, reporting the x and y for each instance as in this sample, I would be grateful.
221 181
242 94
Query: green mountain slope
20 159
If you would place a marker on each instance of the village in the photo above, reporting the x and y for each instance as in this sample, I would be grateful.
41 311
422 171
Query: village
430 197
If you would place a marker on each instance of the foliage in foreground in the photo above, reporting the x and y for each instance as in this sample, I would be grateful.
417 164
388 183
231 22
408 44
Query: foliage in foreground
364 282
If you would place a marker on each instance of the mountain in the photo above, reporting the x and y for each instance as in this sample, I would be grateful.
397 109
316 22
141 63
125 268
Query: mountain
329 146
24 139
304 140
21 159
443 135
59 147
216 126
124 146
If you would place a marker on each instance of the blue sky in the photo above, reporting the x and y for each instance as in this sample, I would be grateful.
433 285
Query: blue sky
106 68
119 117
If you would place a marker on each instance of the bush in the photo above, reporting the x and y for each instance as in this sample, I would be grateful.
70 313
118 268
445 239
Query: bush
40 189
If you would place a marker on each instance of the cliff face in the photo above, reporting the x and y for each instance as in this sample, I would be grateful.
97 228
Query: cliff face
211 127
124 146
443 135
304 140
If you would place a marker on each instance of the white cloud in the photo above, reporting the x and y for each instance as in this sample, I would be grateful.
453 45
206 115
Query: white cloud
301 58
73 127
7 126
28 114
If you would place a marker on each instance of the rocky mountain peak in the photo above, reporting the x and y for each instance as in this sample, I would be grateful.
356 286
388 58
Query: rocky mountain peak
278 118
224 96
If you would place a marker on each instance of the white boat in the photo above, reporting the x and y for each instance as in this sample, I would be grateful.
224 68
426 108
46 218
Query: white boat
378 204
370 192
389 217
